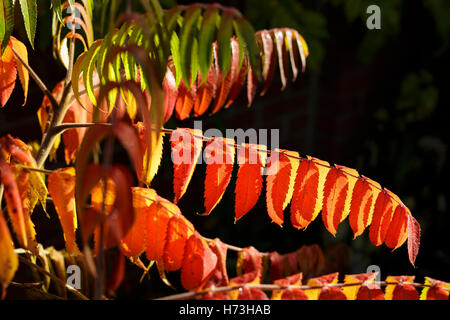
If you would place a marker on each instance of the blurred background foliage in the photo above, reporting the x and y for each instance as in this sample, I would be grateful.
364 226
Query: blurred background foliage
373 100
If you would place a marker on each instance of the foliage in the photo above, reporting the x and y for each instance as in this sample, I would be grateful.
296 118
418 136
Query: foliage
123 88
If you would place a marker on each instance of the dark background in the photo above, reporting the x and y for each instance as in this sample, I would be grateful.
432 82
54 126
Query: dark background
373 100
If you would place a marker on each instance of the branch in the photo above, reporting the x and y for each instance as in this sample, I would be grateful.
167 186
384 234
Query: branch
38 81
273 287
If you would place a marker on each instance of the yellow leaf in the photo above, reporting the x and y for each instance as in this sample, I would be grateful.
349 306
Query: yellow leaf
37 190
21 50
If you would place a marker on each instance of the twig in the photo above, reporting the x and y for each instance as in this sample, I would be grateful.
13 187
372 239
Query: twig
273 287
34 169
38 80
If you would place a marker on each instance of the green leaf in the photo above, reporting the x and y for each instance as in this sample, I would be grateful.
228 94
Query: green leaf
56 7
205 41
223 40
29 12
6 22
187 42
246 33
88 70
175 49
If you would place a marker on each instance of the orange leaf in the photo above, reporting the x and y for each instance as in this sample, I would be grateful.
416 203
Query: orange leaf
206 91
199 262
157 227
335 194
229 79
186 150
360 206
23 184
8 75
8 258
219 159
185 100
280 183
22 70
381 218
134 242
178 232
249 180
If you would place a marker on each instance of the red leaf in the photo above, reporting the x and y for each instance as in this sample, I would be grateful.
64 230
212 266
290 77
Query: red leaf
361 204
381 218
250 260
276 266
397 232
305 194
311 260
294 294
405 292
13 202
220 276
249 180
251 294
219 156
413 238
370 292
117 273
332 293
199 262
186 150
335 193
8 75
